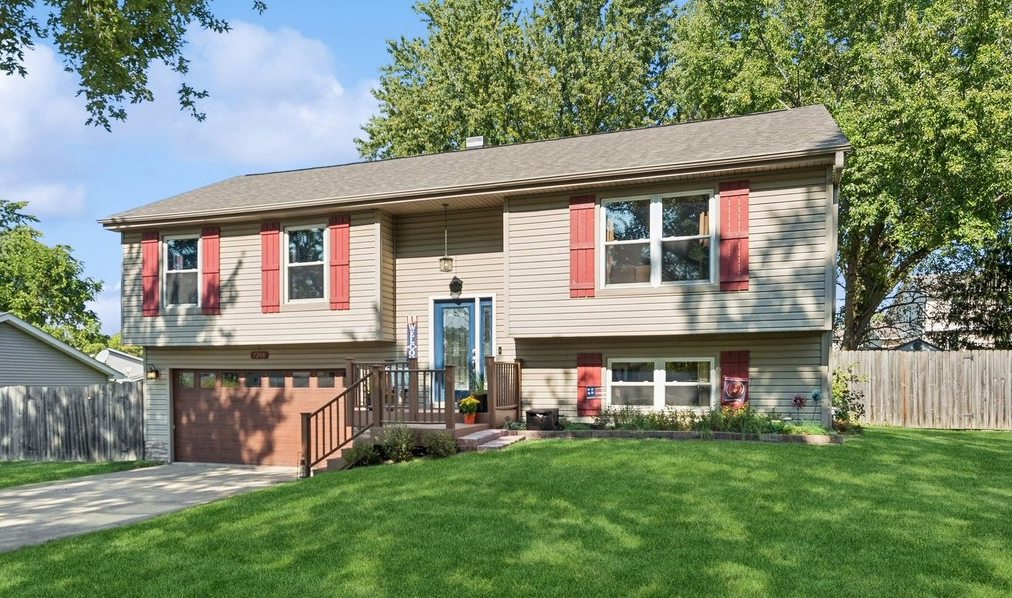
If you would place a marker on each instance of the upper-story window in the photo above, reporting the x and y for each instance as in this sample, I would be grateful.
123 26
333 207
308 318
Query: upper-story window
182 270
305 266
658 239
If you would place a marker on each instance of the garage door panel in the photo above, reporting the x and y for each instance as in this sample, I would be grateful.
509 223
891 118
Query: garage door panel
229 424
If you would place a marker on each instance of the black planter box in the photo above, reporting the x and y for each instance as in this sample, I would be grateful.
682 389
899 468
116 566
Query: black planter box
542 419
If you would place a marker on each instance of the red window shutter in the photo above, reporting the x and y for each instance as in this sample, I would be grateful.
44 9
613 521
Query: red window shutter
734 236
210 257
581 246
270 267
588 375
149 273
340 262
734 364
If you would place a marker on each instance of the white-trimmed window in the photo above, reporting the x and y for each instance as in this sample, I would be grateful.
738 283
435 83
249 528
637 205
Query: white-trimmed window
182 270
666 383
305 263
658 239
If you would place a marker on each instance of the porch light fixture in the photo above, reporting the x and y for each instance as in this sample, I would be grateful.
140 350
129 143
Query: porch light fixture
151 373
456 286
445 262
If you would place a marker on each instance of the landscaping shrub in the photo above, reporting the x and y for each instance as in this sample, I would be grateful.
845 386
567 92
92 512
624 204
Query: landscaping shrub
398 443
361 453
565 424
517 425
848 402
439 444
746 420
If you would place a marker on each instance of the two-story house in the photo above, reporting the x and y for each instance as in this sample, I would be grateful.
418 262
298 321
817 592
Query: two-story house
634 268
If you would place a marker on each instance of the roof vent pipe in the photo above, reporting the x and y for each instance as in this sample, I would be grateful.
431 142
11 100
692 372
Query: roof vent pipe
474 142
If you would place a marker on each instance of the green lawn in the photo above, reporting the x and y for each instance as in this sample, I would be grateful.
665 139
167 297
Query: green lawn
895 513
19 473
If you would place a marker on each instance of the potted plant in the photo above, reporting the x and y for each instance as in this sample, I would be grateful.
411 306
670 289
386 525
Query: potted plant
468 407
476 384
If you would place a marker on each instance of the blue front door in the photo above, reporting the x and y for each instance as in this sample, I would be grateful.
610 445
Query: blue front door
462 337
454 341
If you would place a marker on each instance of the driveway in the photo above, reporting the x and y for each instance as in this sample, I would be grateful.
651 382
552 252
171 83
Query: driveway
41 512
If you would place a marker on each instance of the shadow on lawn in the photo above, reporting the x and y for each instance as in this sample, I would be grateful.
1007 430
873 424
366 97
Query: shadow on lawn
897 513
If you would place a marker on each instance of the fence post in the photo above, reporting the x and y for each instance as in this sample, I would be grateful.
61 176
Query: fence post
449 398
519 387
492 381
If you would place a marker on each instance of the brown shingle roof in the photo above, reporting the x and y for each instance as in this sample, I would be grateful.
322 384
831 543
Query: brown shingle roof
799 131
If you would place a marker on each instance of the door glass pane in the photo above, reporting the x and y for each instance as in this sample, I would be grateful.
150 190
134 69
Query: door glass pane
324 379
208 380
456 341
230 380
486 331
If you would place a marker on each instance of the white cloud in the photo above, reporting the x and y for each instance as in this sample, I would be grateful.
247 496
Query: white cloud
274 102
51 200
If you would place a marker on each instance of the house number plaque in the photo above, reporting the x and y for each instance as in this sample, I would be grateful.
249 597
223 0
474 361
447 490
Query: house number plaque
259 354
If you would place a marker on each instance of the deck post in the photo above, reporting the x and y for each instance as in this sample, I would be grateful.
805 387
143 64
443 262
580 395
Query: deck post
449 398
306 457
413 389
520 386
492 388
376 396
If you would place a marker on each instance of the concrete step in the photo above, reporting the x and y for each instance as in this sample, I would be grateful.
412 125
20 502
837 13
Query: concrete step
471 441
499 443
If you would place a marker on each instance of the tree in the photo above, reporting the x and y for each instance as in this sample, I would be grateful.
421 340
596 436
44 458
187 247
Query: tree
116 342
43 285
561 67
971 292
110 46
922 89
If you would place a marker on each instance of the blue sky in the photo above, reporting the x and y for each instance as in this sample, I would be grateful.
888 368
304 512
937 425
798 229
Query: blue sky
289 89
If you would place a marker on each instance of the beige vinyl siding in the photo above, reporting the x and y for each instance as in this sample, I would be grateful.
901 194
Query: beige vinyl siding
779 365
787 269
475 243
157 402
387 281
241 321
27 361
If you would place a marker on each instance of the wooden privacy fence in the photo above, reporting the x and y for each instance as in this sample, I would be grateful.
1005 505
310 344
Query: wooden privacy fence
103 422
934 389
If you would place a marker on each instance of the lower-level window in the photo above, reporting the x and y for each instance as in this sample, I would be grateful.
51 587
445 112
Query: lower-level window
666 383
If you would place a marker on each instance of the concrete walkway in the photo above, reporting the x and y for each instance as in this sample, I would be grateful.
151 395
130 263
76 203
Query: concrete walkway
41 512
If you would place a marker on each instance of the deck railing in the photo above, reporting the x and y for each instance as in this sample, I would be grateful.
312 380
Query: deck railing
504 384
389 393
333 426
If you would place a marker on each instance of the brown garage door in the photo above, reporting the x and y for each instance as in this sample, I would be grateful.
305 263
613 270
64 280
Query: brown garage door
252 417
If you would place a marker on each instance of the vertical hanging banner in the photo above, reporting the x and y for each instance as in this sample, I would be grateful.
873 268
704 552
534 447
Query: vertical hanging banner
412 344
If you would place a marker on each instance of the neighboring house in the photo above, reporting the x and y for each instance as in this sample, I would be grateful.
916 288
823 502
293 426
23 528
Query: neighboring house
631 268
130 367
30 357
917 344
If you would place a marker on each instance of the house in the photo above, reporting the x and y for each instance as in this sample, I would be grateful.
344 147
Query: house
637 268
130 367
30 357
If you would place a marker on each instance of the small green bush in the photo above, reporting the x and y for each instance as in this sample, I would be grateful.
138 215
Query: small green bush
848 402
439 444
517 425
565 424
361 453
746 420
398 443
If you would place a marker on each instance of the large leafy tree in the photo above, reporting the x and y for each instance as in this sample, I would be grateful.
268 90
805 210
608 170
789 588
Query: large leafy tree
44 285
110 46
922 89
488 67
